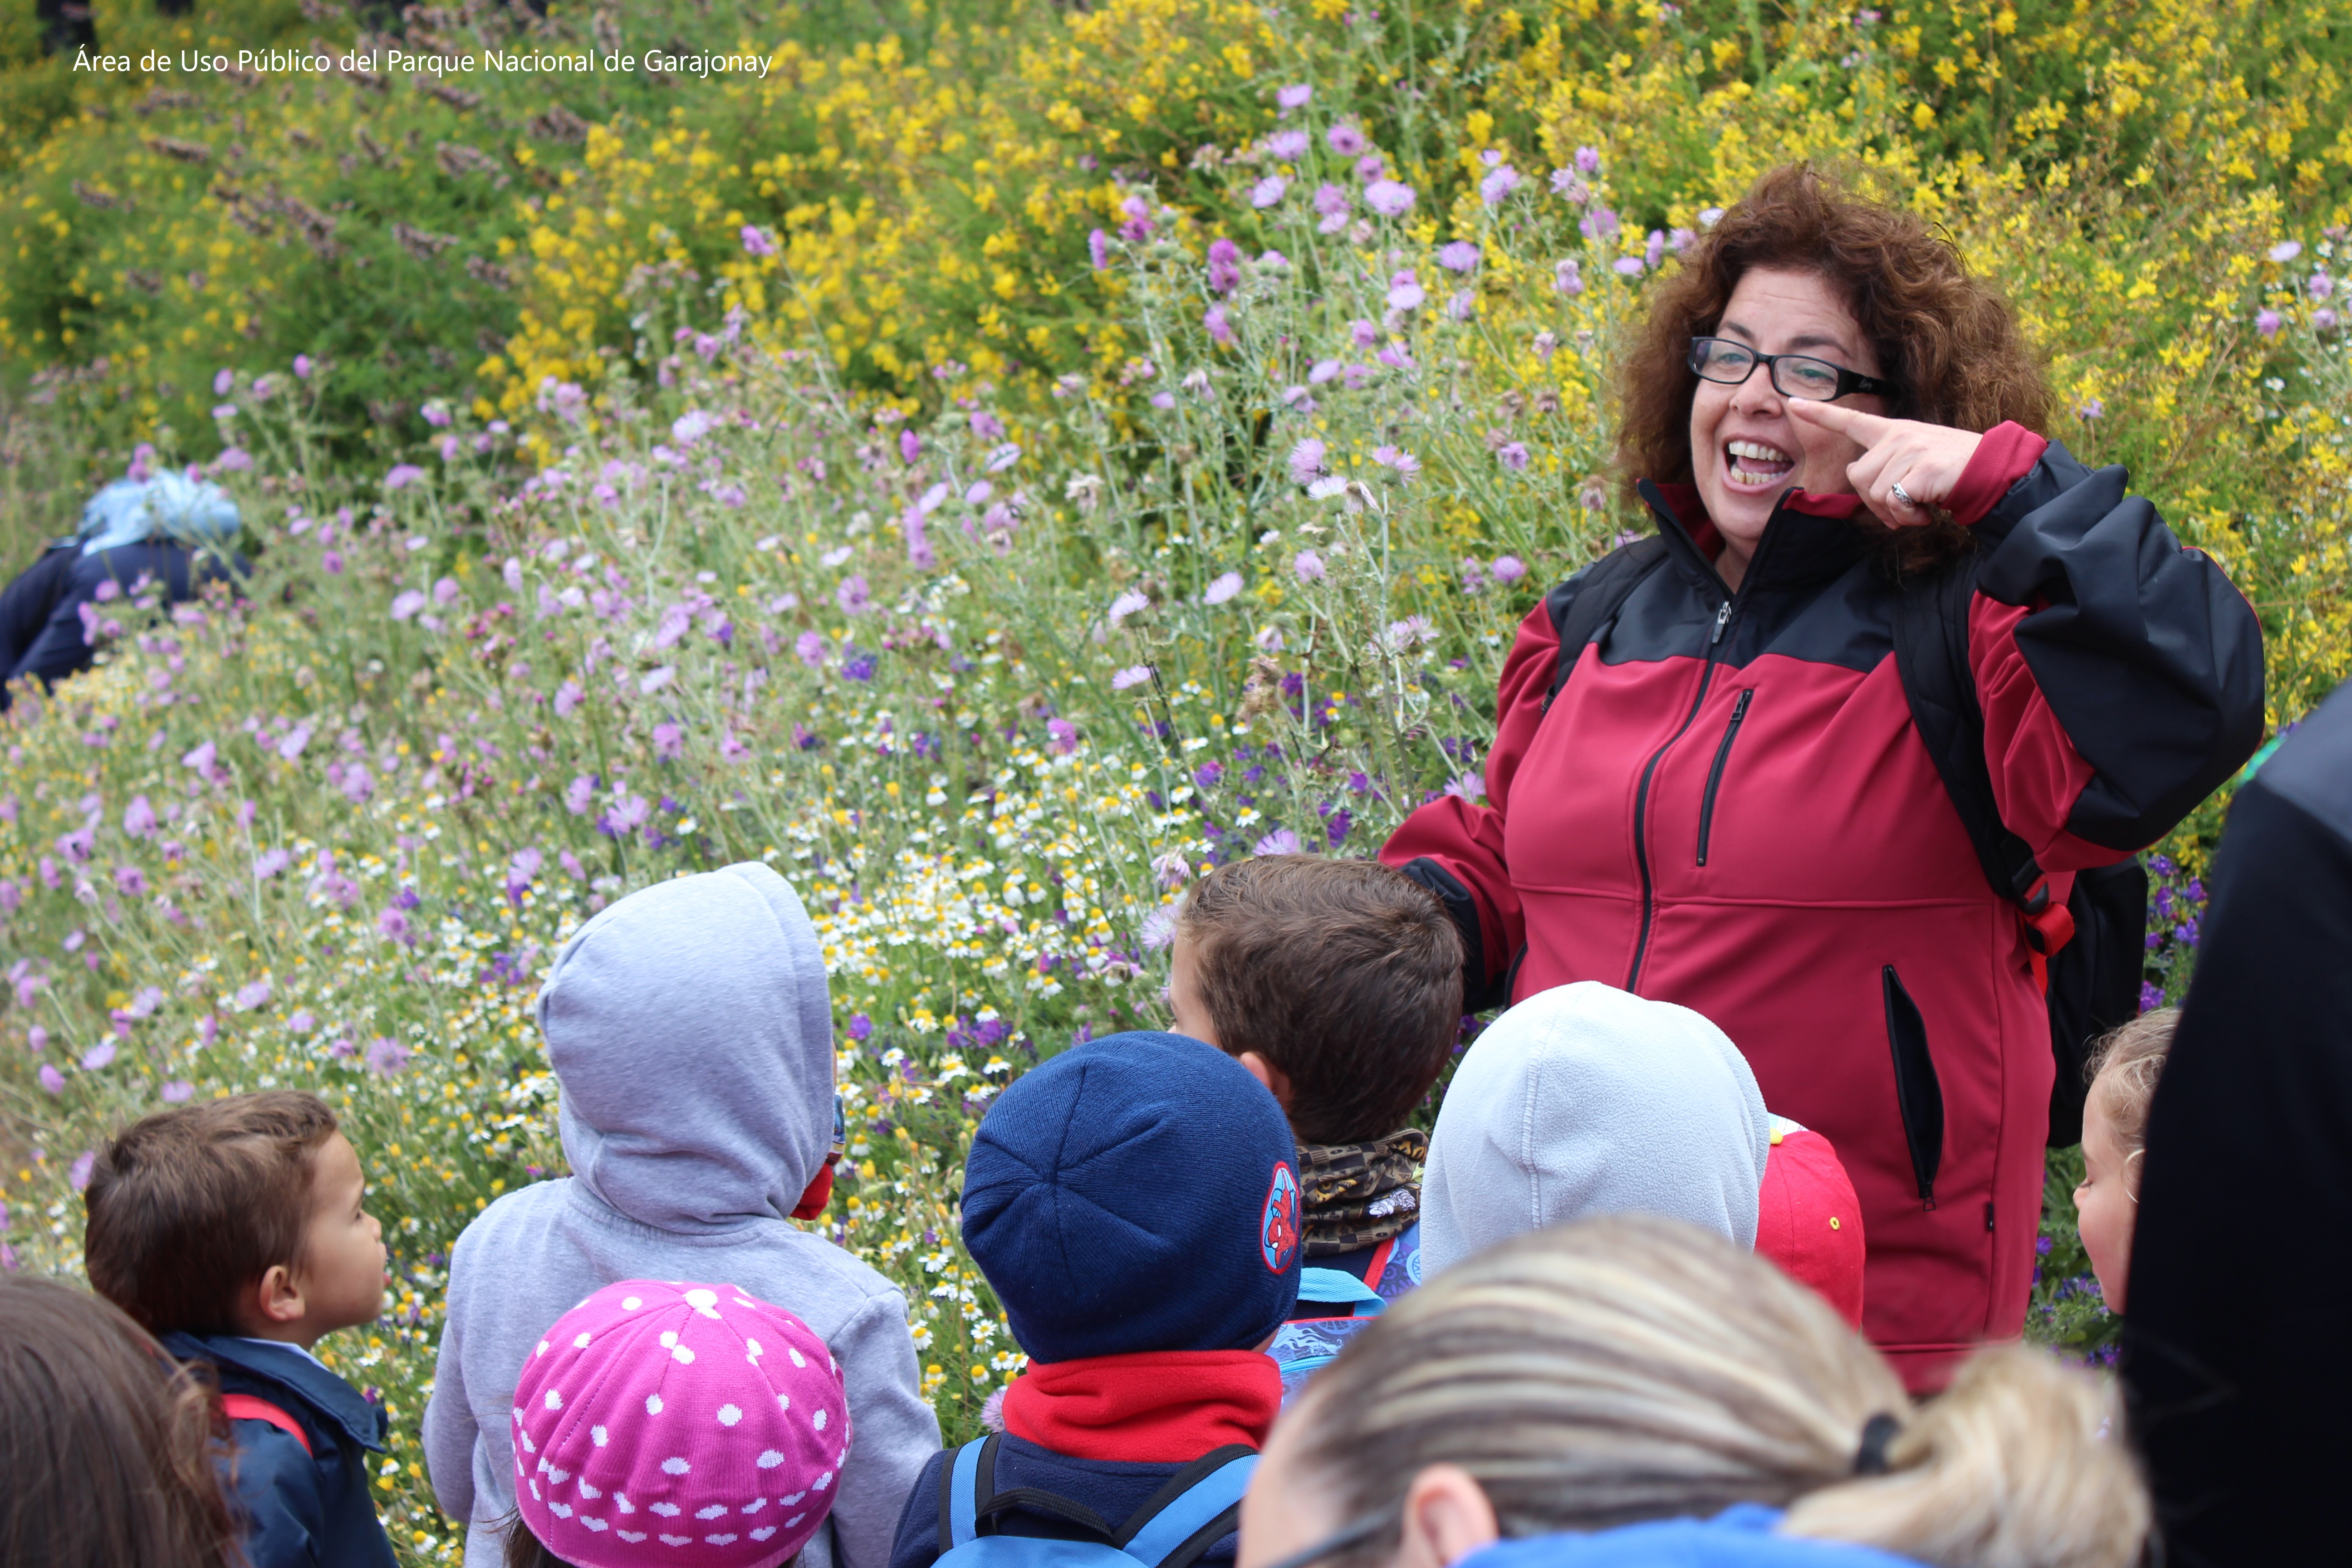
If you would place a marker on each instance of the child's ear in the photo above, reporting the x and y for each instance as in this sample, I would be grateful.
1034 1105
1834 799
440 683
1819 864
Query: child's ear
278 1298
1447 1516
1273 1078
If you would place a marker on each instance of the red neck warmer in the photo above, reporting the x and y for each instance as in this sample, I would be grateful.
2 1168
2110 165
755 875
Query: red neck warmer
1158 1407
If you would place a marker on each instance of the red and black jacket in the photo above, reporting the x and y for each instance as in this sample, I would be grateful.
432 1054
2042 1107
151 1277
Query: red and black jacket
1725 806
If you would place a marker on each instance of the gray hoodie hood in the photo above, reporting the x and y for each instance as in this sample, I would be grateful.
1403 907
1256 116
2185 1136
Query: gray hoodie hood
689 1027
1586 1100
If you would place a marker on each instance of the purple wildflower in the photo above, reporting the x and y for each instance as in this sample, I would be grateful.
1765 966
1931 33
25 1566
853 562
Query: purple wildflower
1281 841
1307 460
1225 266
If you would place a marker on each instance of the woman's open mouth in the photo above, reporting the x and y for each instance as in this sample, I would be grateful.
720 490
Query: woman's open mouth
1752 464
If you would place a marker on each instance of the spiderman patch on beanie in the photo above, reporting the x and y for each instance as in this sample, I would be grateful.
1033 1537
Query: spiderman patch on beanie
1277 1234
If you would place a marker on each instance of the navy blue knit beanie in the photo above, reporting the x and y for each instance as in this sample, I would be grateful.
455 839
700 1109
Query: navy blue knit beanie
1137 1193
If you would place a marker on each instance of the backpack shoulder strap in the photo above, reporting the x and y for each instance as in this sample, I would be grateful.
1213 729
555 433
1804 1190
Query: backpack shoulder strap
960 1494
1192 1512
1336 1287
969 1499
1931 656
252 1407
1589 601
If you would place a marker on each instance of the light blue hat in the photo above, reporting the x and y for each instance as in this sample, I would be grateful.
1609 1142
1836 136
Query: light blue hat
194 513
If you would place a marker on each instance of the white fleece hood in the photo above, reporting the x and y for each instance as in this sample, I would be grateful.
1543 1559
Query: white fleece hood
1585 1100
689 1028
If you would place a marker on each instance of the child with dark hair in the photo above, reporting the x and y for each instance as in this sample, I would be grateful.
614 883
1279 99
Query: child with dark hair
1133 1203
237 1231
1338 983
106 1443
1330 981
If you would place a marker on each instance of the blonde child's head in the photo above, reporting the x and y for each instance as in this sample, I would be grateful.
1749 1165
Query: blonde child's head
2123 1069
1610 1372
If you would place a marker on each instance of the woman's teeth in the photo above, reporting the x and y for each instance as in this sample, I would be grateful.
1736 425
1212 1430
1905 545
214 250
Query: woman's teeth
1754 464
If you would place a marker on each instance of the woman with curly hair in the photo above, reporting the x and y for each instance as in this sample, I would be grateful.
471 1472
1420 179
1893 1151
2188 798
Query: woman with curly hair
1707 785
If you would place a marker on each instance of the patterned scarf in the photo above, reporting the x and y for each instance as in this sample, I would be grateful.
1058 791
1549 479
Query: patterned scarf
1359 1194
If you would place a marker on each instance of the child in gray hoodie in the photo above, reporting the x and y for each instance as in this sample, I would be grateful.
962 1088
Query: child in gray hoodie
691 1035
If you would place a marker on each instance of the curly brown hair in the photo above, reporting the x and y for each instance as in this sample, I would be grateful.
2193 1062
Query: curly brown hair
1948 341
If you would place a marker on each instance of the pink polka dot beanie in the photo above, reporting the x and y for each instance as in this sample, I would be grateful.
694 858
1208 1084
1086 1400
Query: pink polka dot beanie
678 1423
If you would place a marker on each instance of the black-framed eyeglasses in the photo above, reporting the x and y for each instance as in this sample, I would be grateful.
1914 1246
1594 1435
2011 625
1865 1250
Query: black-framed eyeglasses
1367 1528
1793 375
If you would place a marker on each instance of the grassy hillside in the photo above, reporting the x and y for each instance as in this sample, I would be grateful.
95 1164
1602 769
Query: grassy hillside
886 468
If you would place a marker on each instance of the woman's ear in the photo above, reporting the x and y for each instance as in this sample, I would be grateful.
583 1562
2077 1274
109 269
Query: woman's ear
1446 1517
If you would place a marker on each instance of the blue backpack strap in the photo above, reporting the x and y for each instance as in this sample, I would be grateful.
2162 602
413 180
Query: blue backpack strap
1191 1514
1337 1285
960 1516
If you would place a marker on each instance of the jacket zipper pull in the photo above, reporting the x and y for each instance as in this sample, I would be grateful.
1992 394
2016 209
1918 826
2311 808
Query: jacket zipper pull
1722 619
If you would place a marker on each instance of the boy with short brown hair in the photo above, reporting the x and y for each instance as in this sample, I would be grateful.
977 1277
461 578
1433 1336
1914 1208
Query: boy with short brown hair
1339 985
236 1231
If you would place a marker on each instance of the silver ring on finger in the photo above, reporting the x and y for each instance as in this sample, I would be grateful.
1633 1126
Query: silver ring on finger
1903 497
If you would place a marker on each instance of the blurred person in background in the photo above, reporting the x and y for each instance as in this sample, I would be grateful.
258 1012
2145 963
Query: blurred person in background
163 528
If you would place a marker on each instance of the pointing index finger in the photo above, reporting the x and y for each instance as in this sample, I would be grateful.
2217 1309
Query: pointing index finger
1867 428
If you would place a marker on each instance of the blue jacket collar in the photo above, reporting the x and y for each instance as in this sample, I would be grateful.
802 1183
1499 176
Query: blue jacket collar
290 1378
1742 1536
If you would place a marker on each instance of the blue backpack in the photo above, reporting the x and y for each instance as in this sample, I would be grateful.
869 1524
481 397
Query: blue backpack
1198 1507
1306 1345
